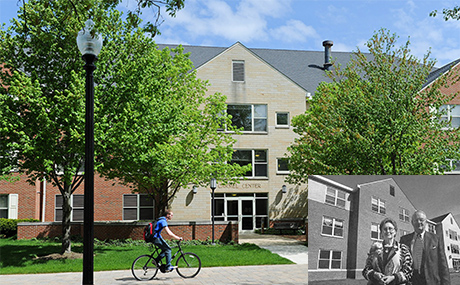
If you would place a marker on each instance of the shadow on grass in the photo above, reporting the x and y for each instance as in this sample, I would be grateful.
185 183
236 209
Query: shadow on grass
25 254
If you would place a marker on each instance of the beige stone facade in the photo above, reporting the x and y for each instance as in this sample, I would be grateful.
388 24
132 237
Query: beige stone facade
264 85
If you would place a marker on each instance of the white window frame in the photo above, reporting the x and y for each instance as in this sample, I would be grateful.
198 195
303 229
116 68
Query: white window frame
381 208
335 196
449 116
233 70
282 126
11 205
330 259
335 227
278 171
138 206
375 228
253 118
404 215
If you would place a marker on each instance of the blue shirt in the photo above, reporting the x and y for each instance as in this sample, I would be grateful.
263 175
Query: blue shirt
161 224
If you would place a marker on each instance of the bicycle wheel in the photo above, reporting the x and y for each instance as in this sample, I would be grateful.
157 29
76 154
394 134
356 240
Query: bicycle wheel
144 268
188 265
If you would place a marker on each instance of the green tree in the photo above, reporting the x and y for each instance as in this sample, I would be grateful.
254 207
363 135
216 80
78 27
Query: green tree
453 13
42 115
374 118
159 132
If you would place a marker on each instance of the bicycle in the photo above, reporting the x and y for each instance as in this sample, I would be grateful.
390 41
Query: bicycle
146 266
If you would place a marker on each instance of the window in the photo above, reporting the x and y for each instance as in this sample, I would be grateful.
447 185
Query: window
455 249
378 205
282 165
330 259
238 70
432 228
9 206
451 113
375 231
257 158
138 207
332 227
77 204
392 190
403 215
282 120
249 118
453 235
335 197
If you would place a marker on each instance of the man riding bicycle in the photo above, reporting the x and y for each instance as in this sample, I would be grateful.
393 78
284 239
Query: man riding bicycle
160 242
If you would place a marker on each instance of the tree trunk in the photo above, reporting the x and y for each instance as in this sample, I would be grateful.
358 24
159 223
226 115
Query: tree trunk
66 212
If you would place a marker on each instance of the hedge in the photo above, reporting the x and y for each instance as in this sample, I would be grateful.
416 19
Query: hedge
9 227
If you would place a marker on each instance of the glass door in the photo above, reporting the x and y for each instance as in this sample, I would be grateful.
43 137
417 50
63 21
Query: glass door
247 214
241 209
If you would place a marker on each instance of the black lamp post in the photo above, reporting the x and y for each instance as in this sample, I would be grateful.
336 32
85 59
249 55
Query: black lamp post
213 186
89 46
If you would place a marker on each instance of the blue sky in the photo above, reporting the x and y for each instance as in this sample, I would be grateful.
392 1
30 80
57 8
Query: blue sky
304 24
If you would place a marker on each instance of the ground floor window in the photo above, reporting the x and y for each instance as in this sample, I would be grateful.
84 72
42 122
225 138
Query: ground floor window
249 209
138 207
330 259
9 206
456 264
77 204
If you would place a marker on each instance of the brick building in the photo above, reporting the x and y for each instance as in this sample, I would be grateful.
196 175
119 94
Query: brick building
266 88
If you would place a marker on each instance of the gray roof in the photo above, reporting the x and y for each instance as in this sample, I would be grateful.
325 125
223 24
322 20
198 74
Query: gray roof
439 72
305 68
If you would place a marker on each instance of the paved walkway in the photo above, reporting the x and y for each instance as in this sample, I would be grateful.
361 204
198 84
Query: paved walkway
291 249
267 274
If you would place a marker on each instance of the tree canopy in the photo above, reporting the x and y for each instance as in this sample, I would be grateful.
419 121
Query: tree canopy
376 117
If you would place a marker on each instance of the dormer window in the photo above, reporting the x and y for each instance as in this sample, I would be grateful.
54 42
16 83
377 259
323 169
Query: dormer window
238 70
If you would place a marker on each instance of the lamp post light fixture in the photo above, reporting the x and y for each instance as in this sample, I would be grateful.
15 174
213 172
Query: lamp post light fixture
89 46
284 189
213 185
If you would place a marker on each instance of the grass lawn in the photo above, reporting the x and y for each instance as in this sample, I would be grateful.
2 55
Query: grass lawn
19 256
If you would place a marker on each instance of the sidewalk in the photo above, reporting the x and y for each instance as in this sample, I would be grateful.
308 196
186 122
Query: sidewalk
266 274
291 249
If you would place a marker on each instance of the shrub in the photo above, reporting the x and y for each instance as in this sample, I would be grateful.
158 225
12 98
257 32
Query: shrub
9 227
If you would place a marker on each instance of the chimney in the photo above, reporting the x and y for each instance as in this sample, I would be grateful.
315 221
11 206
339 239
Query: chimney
327 54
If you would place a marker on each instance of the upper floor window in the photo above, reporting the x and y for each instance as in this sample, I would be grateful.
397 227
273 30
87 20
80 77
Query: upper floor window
378 205
256 157
238 70
282 165
451 113
138 207
403 215
332 227
335 197
282 119
251 118
77 204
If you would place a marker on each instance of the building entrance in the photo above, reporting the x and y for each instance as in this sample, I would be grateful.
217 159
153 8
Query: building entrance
248 209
